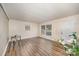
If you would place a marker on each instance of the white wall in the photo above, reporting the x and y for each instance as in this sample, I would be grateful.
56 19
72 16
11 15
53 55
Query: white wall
3 31
65 25
18 27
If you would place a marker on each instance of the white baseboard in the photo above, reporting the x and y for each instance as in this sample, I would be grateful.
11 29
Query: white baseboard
5 49
29 37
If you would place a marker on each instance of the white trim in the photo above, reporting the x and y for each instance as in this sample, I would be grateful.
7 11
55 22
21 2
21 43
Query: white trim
5 49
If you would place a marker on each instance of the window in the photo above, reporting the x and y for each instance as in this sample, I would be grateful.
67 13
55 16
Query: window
27 27
43 29
46 30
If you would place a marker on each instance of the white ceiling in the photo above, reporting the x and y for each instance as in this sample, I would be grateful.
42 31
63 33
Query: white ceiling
39 12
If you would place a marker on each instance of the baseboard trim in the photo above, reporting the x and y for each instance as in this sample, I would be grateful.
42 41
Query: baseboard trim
5 49
30 37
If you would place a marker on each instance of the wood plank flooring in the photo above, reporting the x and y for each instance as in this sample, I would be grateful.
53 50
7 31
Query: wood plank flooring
36 47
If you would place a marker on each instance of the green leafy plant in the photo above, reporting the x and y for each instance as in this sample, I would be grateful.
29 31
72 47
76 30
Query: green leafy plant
75 47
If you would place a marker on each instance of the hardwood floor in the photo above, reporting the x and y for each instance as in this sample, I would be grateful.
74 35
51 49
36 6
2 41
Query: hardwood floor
36 47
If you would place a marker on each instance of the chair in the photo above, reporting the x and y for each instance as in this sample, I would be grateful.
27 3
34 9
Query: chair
16 39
